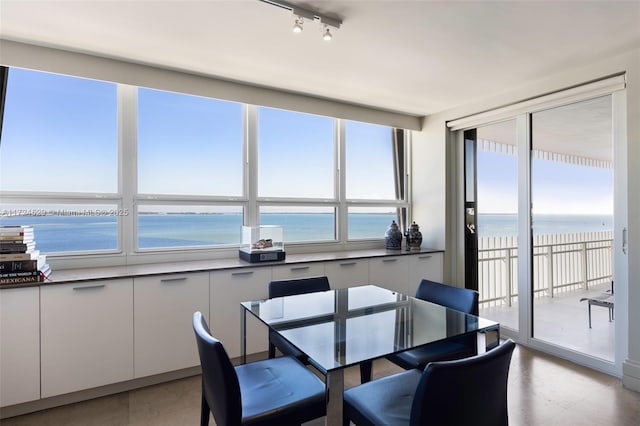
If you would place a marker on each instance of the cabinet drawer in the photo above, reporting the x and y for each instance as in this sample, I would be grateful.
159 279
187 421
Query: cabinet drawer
426 265
20 345
301 270
228 289
390 272
86 335
162 317
347 273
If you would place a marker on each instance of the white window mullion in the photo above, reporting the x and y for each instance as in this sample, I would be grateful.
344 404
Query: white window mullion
342 217
251 215
127 165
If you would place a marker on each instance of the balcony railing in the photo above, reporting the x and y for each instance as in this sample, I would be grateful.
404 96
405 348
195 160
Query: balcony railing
561 263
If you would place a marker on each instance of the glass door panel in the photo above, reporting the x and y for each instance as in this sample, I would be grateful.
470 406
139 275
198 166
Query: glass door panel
497 222
572 221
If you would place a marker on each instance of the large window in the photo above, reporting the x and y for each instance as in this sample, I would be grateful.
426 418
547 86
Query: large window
58 158
59 134
370 161
190 149
295 155
103 168
164 226
188 145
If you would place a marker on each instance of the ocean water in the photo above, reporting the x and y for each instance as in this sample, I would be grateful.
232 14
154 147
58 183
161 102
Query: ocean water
83 233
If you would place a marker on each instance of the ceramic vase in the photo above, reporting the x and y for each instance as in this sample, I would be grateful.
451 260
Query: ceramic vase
414 237
393 237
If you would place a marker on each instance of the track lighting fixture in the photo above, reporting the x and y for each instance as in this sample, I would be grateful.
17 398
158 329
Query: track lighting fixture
302 14
327 34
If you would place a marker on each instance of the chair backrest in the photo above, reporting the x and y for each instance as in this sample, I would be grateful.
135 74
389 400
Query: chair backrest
458 298
469 391
281 288
220 386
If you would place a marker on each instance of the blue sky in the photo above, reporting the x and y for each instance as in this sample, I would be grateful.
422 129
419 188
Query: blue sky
557 188
40 151
65 129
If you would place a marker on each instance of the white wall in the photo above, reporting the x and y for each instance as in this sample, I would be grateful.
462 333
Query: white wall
431 193
84 65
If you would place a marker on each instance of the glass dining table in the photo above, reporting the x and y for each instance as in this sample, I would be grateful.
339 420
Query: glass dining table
341 328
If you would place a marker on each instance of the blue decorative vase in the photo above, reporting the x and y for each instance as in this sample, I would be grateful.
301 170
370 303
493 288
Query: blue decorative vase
414 237
393 237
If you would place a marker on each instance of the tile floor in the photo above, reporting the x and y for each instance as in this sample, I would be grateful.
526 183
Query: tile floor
543 390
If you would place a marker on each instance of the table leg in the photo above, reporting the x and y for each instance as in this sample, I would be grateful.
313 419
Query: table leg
488 340
243 334
335 389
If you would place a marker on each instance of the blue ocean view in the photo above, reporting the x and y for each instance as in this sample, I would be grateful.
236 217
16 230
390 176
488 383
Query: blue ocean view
80 233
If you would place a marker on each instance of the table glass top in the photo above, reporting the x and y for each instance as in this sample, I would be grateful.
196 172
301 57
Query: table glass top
343 327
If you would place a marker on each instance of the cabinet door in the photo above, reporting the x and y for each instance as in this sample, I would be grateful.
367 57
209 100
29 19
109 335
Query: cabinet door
301 270
390 272
20 345
162 321
347 273
426 265
87 335
228 289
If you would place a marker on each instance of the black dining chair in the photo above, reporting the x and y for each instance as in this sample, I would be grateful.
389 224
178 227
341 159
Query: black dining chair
460 299
281 288
278 391
469 391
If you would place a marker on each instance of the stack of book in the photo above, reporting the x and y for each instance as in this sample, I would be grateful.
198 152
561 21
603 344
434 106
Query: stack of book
20 262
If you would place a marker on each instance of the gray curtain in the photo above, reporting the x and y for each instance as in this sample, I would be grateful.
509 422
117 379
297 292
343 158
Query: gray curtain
4 79
398 140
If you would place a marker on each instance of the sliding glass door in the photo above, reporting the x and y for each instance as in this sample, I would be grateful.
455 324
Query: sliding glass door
543 219
572 217
497 222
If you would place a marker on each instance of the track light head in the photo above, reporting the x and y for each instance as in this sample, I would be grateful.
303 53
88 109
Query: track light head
297 26
327 36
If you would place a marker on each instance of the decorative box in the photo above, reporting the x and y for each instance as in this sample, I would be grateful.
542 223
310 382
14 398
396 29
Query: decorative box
262 243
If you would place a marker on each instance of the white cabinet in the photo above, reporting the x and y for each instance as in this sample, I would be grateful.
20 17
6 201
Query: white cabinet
19 345
299 270
347 273
390 272
162 321
86 335
425 265
228 289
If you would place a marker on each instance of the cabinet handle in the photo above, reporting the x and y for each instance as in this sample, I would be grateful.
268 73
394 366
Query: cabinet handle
242 273
389 260
348 264
89 287
300 268
425 257
172 280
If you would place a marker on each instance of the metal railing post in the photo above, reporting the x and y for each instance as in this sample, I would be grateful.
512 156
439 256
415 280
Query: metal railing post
550 269
585 267
508 272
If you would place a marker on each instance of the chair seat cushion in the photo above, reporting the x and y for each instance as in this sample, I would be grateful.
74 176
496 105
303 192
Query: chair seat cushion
279 385
384 401
285 347
442 351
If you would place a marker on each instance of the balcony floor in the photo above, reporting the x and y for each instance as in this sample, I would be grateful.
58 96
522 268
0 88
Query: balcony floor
563 320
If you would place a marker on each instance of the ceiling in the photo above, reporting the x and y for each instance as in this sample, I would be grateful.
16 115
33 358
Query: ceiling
415 57
581 130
